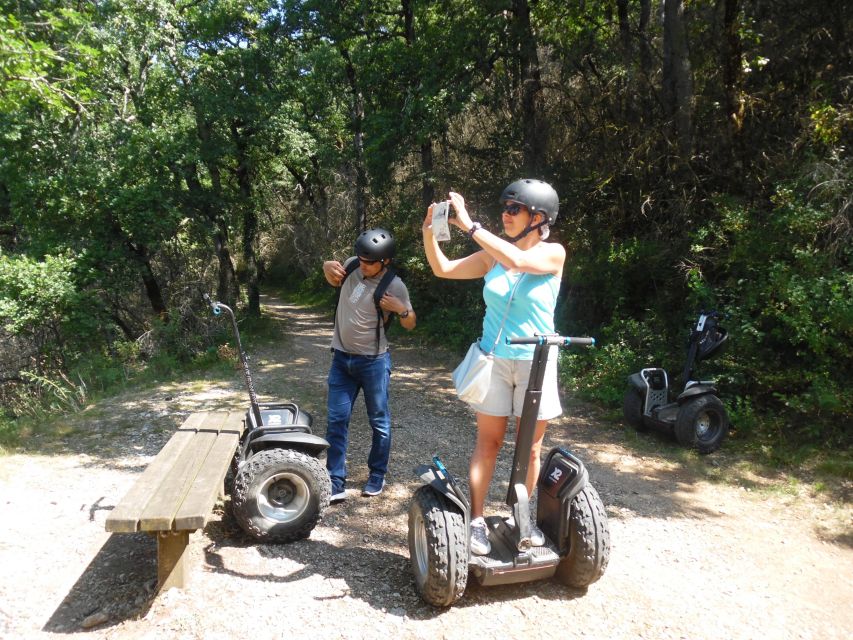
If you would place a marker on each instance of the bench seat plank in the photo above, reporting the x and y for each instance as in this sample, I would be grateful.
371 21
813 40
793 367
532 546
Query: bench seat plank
128 513
196 507
124 518
159 513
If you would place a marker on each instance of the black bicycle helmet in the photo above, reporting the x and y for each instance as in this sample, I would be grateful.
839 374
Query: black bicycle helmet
375 244
537 196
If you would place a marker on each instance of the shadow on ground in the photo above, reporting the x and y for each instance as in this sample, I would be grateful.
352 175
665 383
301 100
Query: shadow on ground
118 584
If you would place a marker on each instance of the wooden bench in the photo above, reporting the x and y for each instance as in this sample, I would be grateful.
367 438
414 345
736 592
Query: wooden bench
176 493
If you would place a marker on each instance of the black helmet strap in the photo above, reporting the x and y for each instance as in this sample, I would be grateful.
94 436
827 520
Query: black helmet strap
530 227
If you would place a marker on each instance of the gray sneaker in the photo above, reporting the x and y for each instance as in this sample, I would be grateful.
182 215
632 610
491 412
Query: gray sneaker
480 545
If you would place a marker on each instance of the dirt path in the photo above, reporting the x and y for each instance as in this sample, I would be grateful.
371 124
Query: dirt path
692 556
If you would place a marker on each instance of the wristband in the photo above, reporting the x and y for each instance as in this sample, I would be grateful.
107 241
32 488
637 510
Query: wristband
474 229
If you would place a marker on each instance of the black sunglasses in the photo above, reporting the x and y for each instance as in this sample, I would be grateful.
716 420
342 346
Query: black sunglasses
513 209
366 261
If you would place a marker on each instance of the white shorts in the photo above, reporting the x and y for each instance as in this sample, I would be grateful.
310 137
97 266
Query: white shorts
509 384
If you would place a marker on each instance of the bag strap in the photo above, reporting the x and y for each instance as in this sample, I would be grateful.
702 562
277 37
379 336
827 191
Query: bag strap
387 277
506 313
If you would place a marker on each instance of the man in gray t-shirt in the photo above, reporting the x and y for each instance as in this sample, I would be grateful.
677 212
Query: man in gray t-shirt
361 359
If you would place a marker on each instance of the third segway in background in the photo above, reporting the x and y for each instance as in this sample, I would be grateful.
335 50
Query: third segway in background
696 416
570 514
280 487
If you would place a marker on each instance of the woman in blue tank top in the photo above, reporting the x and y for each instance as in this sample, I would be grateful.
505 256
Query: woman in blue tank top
522 277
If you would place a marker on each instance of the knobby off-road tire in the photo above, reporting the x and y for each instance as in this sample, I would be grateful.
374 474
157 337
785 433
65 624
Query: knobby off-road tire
438 548
632 409
280 495
231 474
589 541
702 423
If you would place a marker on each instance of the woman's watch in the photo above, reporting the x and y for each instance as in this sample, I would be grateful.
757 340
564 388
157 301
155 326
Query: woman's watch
475 227
405 314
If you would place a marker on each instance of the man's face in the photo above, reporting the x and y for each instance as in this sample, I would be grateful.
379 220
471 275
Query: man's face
369 268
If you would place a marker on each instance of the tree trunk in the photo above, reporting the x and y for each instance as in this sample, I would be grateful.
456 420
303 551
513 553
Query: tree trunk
414 80
643 34
356 122
532 124
8 231
733 80
428 181
142 257
251 263
226 289
677 77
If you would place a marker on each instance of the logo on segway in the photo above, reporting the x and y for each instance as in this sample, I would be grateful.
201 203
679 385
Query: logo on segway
555 475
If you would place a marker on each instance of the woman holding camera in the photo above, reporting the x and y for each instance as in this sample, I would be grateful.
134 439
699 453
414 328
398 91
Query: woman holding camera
521 280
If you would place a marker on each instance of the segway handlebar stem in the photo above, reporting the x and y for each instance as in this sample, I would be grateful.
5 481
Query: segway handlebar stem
217 307
530 409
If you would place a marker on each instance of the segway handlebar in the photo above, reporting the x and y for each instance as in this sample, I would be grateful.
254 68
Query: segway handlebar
553 340
217 308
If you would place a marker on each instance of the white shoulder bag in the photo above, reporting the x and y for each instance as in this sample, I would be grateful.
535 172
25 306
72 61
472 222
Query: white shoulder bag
474 374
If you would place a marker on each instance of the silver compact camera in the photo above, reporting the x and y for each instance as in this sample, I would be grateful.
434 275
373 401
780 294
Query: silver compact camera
441 211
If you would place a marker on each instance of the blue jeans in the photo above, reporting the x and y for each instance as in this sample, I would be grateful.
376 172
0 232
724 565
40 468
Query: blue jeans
349 374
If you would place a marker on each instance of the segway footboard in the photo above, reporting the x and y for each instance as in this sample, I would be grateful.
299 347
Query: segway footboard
505 564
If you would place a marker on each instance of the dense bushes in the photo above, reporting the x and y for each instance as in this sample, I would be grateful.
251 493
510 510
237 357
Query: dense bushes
782 274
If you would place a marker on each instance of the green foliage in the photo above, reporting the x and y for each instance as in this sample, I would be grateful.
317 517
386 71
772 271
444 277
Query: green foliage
624 347
152 150
35 294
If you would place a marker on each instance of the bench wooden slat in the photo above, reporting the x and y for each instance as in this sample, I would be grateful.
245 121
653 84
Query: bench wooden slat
159 513
196 507
126 515
124 518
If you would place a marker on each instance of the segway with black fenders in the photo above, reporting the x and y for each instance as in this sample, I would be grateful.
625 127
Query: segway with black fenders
280 486
569 512
695 416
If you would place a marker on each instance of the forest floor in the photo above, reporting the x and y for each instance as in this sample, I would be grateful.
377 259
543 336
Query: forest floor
702 547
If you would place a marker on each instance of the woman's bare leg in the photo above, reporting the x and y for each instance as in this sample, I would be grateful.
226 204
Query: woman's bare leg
490 437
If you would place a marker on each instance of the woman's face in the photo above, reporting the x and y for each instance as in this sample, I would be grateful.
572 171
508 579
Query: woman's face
515 217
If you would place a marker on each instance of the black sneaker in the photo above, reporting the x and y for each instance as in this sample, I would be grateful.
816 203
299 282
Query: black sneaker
374 486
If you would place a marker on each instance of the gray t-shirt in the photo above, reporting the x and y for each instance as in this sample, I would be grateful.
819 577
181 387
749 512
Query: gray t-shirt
356 317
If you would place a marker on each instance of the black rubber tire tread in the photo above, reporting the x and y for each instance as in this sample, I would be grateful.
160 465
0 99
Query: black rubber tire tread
685 424
632 409
589 536
447 553
244 503
231 474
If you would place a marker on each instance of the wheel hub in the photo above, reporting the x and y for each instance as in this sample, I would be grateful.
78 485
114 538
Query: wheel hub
703 424
420 550
284 497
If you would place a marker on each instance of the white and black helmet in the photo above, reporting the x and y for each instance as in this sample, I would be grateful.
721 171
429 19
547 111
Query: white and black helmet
375 244
537 196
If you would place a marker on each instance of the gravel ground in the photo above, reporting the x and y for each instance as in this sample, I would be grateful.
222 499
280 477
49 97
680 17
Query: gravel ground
701 547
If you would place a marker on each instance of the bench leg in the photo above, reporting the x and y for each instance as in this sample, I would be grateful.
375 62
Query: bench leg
171 558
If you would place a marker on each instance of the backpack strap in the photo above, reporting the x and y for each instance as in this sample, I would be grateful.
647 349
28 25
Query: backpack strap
381 288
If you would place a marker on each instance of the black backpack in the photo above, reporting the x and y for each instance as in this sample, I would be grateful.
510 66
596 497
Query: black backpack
381 288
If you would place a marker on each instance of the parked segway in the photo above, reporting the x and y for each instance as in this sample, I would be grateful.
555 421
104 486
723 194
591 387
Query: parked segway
570 514
280 487
696 416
